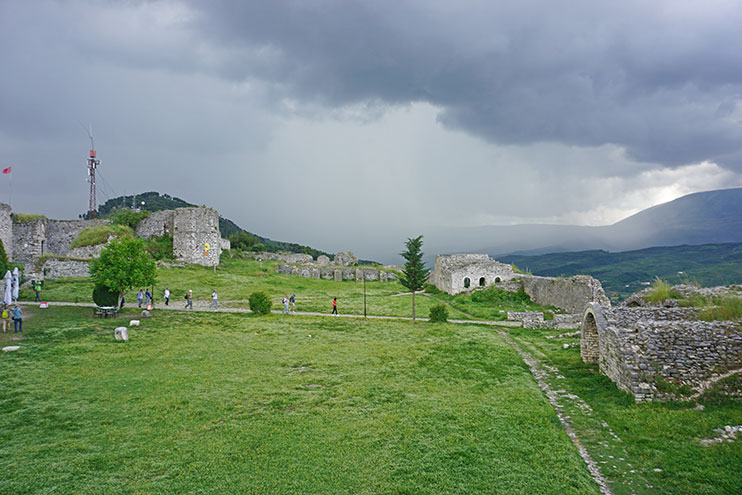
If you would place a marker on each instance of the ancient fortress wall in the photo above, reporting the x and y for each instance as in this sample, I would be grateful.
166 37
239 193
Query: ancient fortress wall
658 353
6 229
61 233
60 268
29 240
570 294
453 272
196 237
156 224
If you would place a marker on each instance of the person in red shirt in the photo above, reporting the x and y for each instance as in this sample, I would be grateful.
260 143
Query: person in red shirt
334 305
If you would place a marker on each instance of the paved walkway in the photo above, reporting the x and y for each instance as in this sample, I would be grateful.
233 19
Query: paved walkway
201 307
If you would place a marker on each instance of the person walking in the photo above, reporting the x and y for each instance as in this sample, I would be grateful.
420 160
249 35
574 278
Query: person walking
17 319
5 318
166 295
148 297
285 302
292 300
37 290
189 299
335 305
123 297
140 297
214 299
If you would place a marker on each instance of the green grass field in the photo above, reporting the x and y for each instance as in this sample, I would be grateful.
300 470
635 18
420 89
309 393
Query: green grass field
226 403
235 279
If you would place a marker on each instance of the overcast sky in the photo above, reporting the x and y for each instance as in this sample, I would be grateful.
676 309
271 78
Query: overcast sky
352 125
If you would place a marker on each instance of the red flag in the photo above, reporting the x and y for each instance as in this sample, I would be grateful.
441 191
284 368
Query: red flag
7 170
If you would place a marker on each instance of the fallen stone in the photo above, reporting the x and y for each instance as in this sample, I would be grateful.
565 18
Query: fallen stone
11 348
134 323
121 333
146 314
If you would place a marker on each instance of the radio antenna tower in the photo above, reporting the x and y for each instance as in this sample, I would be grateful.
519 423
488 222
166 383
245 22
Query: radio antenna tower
92 165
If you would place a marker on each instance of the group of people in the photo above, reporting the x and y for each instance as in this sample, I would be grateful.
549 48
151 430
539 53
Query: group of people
289 300
14 312
189 299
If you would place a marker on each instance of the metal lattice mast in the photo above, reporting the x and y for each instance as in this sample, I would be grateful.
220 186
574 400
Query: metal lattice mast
92 165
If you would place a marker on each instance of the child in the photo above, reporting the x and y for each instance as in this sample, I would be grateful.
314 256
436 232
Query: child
5 318
334 305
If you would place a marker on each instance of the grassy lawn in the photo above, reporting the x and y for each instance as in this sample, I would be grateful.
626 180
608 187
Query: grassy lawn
659 440
227 403
235 279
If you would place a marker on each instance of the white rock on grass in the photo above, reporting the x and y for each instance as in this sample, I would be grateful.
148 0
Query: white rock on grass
145 314
134 323
11 348
121 333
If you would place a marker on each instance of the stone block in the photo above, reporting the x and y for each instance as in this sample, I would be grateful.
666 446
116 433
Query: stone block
121 333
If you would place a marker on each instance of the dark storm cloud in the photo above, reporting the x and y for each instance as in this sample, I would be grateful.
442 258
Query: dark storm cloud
663 79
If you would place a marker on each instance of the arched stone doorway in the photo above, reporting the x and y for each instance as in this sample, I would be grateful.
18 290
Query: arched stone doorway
589 339
481 281
467 283
497 280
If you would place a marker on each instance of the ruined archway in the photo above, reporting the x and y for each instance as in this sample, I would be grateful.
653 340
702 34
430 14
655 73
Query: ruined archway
589 335
497 280
467 283
481 281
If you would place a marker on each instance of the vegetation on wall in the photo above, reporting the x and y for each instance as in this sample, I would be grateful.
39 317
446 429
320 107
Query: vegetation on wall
3 260
130 218
26 218
99 234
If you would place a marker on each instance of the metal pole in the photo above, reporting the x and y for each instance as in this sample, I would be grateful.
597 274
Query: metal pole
364 295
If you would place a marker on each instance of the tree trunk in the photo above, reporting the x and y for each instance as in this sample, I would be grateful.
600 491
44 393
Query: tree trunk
413 306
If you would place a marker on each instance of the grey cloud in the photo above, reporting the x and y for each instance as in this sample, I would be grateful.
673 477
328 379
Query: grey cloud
657 79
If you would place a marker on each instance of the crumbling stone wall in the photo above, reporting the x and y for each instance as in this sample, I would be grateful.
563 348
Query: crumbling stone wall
156 224
535 319
6 229
29 240
195 230
570 294
371 274
61 233
658 353
60 268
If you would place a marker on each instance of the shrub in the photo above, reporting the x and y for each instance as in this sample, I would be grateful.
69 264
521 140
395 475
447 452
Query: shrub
160 248
431 289
99 234
130 218
103 296
4 267
499 297
260 303
439 313
729 309
661 291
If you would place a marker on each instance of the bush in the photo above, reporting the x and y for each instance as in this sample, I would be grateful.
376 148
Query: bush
130 218
431 289
661 291
260 303
103 296
500 297
729 309
4 266
439 313
160 248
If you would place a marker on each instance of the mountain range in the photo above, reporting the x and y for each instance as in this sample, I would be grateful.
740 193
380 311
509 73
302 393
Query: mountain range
700 218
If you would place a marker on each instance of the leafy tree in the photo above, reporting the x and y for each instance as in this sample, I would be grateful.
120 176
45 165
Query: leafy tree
103 296
129 217
123 264
414 274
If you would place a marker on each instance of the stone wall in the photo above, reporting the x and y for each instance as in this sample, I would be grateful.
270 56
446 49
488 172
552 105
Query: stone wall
659 353
61 268
535 319
570 294
61 233
371 274
452 272
156 224
29 240
195 229
6 229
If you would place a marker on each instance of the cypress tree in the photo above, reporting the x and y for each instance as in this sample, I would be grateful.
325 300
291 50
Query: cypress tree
414 273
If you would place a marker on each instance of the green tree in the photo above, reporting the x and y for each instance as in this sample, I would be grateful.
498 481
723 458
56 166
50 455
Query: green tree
414 274
4 266
123 264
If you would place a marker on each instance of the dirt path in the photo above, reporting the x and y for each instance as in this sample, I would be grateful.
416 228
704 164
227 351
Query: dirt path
204 307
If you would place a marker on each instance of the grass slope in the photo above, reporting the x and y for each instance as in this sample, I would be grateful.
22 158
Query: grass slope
218 403
622 273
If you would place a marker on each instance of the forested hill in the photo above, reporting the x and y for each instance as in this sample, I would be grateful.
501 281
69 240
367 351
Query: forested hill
154 201
624 273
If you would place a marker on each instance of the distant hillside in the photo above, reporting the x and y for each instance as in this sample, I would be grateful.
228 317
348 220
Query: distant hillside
154 201
699 218
626 272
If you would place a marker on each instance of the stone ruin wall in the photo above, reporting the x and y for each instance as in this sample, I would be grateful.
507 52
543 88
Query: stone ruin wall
156 224
29 241
61 233
60 268
357 274
193 230
653 352
6 229
569 294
